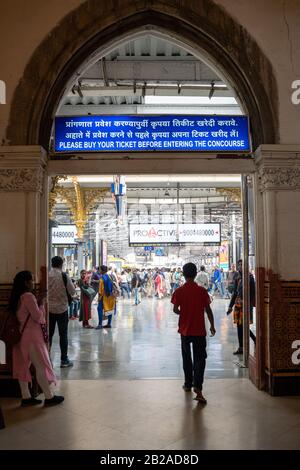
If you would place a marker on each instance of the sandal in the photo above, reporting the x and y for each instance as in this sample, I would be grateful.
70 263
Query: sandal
199 397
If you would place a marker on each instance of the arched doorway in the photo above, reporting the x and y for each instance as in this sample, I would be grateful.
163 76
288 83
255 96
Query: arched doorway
105 76
205 30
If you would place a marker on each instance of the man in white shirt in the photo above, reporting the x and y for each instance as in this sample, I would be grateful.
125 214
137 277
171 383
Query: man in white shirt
202 278
112 274
60 288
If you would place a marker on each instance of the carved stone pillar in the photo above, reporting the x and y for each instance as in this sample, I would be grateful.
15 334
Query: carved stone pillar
23 221
278 258
23 210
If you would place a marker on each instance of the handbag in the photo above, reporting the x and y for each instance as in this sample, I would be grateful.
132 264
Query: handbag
90 292
10 333
65 279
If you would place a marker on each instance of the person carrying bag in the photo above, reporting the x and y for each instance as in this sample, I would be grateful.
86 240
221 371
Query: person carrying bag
10 332
32 348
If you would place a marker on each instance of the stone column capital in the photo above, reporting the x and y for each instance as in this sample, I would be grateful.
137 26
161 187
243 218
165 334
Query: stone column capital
278 167
22 168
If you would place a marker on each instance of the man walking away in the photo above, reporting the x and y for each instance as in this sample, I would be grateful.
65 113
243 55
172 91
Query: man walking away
124 285
190 301
135 286
60 287
217 282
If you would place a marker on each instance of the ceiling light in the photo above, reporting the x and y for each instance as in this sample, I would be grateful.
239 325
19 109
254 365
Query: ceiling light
190 100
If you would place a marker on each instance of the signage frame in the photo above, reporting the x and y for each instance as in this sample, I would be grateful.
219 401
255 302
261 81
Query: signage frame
63 243
241 152
160 243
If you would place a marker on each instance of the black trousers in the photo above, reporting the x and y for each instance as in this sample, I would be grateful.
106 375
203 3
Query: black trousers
240 331
240 334
62 320
193 368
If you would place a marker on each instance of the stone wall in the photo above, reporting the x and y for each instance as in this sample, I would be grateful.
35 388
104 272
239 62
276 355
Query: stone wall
238 37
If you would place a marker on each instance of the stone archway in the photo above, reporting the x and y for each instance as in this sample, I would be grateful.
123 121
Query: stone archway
201 24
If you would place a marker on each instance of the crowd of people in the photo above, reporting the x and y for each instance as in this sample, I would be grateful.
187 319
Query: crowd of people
137 283
162 282
129 284
93 287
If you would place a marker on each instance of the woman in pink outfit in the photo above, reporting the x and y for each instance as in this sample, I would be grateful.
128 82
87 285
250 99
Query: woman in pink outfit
159 284
32 348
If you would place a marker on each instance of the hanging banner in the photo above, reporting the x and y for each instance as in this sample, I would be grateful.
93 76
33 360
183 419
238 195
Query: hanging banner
224 256
166 234
152 133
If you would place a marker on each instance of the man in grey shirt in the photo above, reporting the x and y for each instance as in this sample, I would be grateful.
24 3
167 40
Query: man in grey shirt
60 287
202 278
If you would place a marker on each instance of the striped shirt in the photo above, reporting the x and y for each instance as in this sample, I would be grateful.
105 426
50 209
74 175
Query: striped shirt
58 299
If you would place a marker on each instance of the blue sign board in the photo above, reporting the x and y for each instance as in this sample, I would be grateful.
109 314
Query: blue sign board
149 248
174 133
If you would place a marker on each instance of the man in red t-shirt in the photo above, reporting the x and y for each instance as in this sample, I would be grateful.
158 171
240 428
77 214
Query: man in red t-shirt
190 301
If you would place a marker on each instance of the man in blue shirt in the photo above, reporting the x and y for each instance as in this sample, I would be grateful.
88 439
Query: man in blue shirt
217 282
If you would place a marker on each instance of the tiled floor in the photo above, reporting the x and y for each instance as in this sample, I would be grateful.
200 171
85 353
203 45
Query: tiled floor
124 392
154 414
144 343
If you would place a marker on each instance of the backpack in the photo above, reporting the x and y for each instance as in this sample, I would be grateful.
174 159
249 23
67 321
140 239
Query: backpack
136 281
111 287
115 291
65 279
9 328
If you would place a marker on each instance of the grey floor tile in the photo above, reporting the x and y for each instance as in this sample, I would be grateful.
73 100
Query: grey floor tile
125 392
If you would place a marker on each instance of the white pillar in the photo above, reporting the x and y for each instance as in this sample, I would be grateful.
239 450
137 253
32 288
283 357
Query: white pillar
23 211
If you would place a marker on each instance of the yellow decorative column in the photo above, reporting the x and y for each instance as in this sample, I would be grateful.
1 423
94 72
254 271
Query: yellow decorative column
80 201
